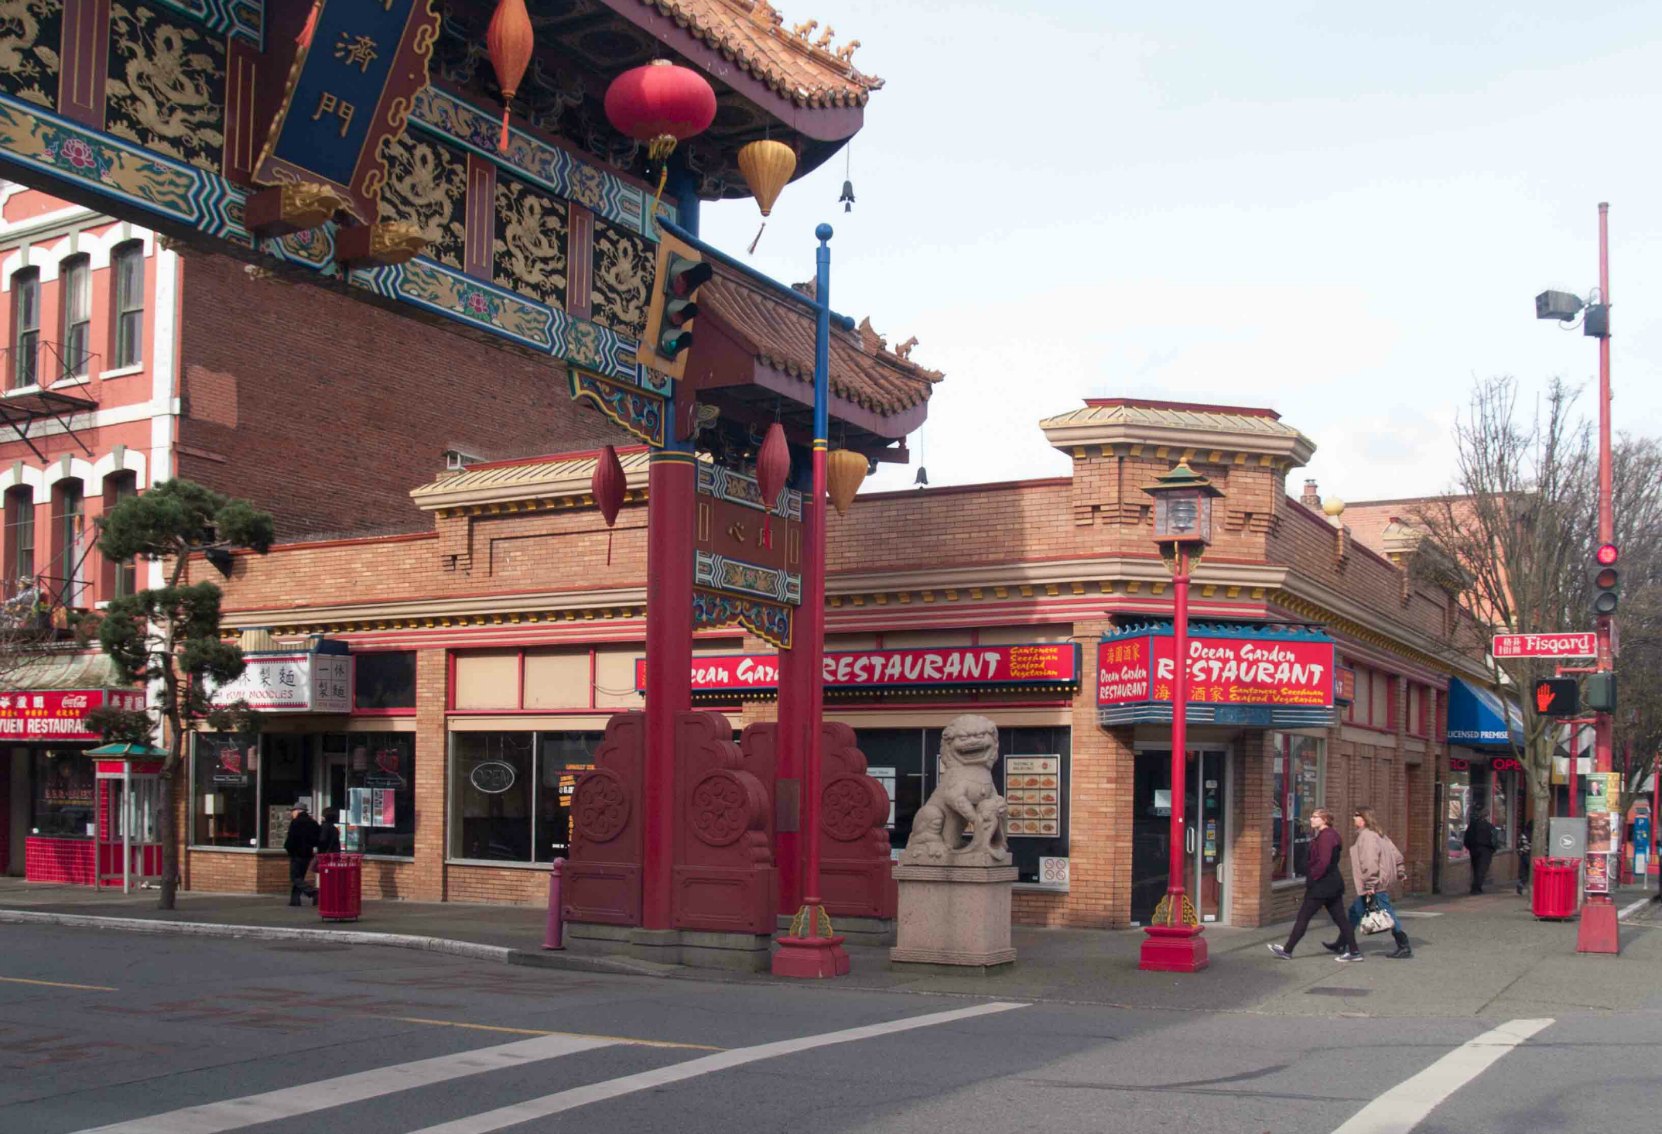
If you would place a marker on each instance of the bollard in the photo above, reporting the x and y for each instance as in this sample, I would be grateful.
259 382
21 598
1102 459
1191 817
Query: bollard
555 937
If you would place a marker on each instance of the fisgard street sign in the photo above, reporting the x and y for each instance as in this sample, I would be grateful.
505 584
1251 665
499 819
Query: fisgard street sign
1578 644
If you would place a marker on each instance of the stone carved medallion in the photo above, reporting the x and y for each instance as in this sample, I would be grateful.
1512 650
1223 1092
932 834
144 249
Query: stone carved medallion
599 806
720 809
850 809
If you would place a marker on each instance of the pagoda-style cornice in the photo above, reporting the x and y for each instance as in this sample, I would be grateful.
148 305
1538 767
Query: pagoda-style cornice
1219 434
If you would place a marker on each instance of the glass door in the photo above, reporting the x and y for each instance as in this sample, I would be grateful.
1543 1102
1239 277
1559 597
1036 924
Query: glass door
1205 848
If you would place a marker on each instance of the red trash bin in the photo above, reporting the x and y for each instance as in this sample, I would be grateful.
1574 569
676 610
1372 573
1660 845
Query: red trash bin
1555 882
340 886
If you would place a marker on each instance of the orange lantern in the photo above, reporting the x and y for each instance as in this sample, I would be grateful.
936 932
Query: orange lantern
608 488
510 40
845 470
767 165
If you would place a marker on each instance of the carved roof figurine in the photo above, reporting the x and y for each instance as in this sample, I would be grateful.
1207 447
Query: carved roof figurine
904 350
963 821
808 72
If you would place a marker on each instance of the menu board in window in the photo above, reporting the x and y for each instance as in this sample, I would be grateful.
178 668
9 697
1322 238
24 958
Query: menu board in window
1033 796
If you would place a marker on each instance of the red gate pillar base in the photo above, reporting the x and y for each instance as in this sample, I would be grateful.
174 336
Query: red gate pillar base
1173 949
1598 931
810 958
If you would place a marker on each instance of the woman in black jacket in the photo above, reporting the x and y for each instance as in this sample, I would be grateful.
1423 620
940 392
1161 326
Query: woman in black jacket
1324 888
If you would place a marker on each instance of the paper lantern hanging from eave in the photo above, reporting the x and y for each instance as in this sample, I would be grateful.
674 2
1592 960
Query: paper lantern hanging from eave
608 488
509 39
767 166
845 471
661 104
773 467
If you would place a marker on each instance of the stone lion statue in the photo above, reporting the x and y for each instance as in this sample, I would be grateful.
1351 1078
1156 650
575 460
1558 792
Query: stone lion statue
962 824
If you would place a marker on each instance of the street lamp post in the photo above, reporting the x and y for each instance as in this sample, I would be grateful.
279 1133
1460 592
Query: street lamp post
1182 528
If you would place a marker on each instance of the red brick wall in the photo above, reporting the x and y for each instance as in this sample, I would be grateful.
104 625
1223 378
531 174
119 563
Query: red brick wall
327 409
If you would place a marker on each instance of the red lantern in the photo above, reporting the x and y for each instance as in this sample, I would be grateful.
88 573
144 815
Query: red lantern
510 39
608 488
773 466
660 104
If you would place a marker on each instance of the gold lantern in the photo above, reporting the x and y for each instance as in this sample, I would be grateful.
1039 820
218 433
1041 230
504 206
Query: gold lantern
767 165
844 472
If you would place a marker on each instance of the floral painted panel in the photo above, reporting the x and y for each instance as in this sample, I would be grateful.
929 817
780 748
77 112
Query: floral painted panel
30 31
623 267
530 249
427 186
166 89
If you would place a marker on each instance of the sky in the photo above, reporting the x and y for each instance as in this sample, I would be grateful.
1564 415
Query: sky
1341 212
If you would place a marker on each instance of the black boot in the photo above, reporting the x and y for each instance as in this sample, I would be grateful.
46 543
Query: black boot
1402 951
1333 946
294 895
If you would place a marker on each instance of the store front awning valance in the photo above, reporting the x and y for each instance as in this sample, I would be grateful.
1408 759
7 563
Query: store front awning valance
1478 718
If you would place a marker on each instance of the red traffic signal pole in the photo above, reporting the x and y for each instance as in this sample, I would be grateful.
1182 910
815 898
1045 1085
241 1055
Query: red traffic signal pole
1599 932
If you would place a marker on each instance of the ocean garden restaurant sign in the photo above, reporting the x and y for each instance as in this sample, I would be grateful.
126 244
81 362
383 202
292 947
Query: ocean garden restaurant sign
1269 677
1035 667
291 681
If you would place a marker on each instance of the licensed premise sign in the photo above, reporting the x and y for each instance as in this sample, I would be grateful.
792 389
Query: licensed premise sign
59 714
1257 681
1578 644
1039 665
298 682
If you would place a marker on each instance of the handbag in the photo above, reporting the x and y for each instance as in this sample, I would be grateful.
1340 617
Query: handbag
1377 919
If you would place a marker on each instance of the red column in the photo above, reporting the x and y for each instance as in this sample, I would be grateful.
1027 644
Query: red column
795 690
670 506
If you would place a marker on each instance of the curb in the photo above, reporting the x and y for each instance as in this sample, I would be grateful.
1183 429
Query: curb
1632 908
497 954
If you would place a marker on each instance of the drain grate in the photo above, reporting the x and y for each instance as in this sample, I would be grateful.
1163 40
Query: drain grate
1338 991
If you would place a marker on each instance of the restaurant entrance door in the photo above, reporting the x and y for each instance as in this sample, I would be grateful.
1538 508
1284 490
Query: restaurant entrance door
1205 809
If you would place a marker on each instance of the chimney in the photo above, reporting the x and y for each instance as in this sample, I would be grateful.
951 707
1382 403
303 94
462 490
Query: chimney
1311 498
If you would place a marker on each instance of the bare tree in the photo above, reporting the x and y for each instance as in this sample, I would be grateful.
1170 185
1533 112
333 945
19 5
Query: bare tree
1514 541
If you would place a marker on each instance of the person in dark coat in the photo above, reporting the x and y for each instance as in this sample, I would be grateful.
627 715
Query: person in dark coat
1480 844
301 845
328 838
1324 888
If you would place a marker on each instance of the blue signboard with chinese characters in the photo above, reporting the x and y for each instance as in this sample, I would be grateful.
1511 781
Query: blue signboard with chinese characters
349 87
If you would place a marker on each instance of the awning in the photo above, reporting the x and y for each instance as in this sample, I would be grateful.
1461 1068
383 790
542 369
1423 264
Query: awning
1478 718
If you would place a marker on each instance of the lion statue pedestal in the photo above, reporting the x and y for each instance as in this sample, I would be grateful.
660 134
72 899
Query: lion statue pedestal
955 874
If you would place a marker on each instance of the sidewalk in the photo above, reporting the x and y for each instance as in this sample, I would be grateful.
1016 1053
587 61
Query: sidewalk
1472 954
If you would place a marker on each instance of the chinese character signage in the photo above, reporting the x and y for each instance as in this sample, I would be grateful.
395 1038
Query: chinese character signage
57 714
1284 681
349 88
1040 665
291 682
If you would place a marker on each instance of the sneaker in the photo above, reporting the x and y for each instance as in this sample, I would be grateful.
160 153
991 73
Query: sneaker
1402 953
1333 946
1281 951
1346 958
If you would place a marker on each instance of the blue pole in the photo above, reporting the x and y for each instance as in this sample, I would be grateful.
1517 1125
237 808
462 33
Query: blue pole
822 339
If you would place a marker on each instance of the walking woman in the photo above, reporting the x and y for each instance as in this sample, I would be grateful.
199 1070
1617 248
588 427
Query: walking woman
1375 865
1324 888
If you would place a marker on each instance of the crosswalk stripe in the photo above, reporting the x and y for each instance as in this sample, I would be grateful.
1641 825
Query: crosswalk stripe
234 1114
560 1101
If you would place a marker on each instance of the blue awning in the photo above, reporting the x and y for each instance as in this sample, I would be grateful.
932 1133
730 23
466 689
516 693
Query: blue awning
1478 717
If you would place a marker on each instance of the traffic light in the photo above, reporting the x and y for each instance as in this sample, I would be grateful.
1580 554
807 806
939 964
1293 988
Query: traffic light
669 318
1557 697
1606 580
1601 692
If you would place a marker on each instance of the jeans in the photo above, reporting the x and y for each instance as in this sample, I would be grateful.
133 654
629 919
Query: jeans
1360 905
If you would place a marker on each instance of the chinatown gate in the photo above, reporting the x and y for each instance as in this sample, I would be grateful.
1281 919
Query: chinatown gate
364 147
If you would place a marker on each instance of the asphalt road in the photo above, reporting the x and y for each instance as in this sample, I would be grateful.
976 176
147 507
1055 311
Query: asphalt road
182 1035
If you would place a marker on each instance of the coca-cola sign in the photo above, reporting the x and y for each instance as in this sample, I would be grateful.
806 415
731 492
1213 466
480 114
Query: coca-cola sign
57 714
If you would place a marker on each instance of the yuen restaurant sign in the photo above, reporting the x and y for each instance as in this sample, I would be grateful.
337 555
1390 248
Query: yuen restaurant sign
59 714
1269 679
1019 668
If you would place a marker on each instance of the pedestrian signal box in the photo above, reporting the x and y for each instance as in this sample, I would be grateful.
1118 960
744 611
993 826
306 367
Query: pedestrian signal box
1557 697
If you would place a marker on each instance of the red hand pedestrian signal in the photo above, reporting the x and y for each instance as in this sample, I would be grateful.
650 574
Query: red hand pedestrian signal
1557 697
1543 698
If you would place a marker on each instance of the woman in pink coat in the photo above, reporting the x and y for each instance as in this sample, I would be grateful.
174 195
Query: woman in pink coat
1375 865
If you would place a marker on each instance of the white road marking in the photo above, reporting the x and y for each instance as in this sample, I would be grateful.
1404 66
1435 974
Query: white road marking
1632 908
1406 1105
290 1102
561 1101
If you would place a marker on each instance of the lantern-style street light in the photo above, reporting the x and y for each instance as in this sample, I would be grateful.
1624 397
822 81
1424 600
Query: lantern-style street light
1182 528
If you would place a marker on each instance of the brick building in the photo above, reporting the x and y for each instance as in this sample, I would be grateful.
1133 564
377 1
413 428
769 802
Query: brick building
488 651
124 363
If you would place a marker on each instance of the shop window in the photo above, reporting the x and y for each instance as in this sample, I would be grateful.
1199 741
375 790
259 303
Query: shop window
20 540
1458 804
25 327
225 788
1375 702
1297 792
75 289
374 762
511 793
63 789
121 578
285 777
128 265
384 681
1503 808
1419 719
